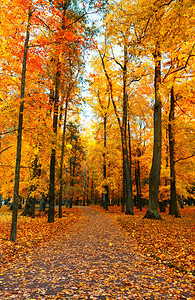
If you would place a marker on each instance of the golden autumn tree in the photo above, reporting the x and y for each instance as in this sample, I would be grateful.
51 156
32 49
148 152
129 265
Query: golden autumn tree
34 76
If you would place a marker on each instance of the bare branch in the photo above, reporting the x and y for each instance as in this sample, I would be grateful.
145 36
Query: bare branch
44 23
184 111
111 91
5 149
2 133
184 158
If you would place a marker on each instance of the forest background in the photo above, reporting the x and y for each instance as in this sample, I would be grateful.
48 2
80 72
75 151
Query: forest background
138 149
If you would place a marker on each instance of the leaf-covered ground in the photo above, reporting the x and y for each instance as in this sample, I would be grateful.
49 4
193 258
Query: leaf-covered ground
31 233
94 258
171 241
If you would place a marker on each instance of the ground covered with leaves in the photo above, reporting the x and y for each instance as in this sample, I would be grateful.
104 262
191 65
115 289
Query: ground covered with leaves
31 233
171 241
95 257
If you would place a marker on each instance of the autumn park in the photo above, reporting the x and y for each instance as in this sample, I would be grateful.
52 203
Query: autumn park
97 149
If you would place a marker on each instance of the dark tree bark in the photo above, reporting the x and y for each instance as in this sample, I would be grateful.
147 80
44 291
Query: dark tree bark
105 192
92 189
173 209
84 185
13 234
73 177
51 210
129 199
130 160
87 190
62 160
96 197
138 186
123 200
154 179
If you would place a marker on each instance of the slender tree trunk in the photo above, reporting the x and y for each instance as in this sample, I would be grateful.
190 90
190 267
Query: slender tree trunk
62 160
96 196
130 158
123 200
138 181
138 186
13 234
92 189
51 210
84 184
129 200
87 190
154 179
105 192
123 129
127 187
72 180
173 209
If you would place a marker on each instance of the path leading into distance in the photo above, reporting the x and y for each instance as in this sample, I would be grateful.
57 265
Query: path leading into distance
95 260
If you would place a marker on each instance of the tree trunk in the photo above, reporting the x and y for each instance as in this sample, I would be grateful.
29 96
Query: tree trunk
130 159
105 192
123 200
138 186
96 196
61 161
70 202
13 234
129 200
127 187
51 210
84 184
123 130
87 191
138 181
173 209
154 179
92 189
72 179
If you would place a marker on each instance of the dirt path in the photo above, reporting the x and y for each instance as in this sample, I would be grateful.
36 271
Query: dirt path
97 260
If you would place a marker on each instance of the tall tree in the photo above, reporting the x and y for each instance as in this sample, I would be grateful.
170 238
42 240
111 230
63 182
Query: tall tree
123 129
154 179
13 234
51 210
173 209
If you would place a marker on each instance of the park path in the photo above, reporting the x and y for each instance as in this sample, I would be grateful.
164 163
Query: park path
97 259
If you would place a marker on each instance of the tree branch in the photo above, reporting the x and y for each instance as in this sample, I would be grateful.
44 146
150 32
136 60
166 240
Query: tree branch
180 68
184 111
111 91
184 158
2 133
5 149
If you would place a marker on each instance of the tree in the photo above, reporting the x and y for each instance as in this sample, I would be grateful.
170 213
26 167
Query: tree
173 210
154 179
19 139
103 104
123 130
